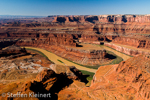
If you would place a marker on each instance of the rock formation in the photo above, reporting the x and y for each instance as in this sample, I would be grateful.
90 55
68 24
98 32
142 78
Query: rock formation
16 63
21 71
128 51
138 42
48 82
103 18
92 57
12 50
130 78
65 32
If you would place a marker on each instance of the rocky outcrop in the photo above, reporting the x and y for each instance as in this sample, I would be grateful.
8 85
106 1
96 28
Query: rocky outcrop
126 50
86 57
92 57
17 66
138 42
48 82
61 39
123 28
12 50
92 29
89 38
103 18
130 77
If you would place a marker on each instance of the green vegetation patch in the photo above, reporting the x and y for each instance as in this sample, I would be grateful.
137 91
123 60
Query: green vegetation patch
89 78
117 60
60 61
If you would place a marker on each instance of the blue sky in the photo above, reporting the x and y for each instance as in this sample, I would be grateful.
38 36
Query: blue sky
73 7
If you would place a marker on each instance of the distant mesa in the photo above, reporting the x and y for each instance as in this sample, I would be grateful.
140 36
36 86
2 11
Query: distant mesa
101 18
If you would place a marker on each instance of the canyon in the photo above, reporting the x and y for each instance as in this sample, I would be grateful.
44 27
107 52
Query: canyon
82 40
132 30
130 78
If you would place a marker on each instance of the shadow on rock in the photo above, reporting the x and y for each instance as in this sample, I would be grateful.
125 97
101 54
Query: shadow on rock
61 82
109 56
80 76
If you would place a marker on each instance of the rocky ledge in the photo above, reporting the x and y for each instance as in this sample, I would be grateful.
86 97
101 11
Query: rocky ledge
126 50
129 80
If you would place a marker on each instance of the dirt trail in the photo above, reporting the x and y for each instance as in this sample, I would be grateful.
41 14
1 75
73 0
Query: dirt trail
55 59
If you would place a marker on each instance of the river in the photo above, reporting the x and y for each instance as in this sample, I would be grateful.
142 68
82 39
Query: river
55 58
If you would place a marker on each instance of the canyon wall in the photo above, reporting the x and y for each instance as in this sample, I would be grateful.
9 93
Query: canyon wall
132 30
137 42
125 50
123 28
130 78
103 18
89 38
111 23
12 51
62 44
93 57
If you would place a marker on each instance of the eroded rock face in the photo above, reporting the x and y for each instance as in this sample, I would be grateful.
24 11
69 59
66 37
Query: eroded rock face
17 67
130 78
91 29
94 39
103 18
139 42
92 57
46 82
61 39
128 51
12 50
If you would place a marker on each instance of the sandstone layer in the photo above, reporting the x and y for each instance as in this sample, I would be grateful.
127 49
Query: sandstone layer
92 57
128 51
125 29
128 80
48 82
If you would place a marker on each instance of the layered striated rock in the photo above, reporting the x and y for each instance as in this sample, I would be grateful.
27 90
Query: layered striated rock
123 28
16 65
128 80
61 39
92 57
136 41
89 28
47 82
89 38
12 50
103 18
127 50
